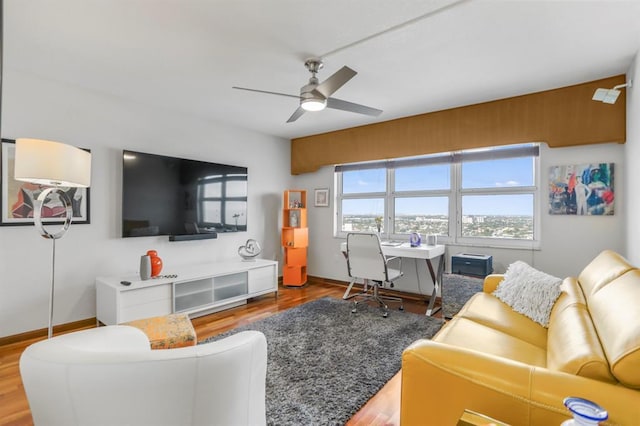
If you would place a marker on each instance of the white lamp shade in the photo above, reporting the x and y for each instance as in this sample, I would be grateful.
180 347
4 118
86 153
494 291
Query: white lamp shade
52 163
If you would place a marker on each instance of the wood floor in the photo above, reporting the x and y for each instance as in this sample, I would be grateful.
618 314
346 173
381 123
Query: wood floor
382 409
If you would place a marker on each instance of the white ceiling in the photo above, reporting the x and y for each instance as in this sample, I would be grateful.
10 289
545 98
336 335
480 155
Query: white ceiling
186 55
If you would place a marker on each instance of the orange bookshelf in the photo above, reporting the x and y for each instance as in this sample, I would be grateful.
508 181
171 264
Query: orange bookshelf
295 238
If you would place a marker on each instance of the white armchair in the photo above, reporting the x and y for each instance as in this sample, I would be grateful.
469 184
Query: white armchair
110 376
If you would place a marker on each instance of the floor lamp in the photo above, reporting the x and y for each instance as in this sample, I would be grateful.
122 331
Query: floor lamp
53 165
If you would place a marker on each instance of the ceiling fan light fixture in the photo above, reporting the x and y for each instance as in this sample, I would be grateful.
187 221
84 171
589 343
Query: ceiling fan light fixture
313 104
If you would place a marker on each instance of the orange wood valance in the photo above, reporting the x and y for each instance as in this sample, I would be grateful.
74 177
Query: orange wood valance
560 117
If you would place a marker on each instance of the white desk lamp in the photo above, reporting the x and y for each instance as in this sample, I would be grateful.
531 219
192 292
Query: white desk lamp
54 165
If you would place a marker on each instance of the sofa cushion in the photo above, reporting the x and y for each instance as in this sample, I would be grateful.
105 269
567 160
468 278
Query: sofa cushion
573 345
529 291
469 334
571 294
488 310
614 309
604 268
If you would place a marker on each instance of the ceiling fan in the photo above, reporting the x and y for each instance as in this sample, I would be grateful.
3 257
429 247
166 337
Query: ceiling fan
315 96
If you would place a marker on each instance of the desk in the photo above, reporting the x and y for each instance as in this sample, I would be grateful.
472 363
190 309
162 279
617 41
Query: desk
428 253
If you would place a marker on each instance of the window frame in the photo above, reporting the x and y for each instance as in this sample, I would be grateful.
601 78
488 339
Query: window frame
455 194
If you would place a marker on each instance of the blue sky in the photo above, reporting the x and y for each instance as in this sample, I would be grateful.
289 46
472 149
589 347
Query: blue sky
485 174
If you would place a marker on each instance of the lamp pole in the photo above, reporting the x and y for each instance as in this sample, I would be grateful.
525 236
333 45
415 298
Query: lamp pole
37 216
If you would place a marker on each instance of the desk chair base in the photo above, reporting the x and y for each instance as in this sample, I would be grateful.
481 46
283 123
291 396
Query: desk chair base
366 294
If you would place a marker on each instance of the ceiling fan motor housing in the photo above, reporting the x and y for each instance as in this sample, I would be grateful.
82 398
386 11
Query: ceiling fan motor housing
309 90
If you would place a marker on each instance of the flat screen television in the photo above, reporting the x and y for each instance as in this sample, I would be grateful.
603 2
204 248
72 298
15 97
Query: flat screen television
174 196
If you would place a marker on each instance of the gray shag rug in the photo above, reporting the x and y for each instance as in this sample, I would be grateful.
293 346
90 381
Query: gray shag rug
324 363
457 289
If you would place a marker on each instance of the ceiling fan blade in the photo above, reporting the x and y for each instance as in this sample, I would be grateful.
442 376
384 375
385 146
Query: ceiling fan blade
336 81
297 114
267 92
350 106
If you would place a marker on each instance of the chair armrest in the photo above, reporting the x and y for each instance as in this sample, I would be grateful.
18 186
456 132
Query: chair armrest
491 282
440 381
389 259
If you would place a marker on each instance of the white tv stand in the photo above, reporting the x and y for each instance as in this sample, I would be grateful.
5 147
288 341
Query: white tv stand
197 290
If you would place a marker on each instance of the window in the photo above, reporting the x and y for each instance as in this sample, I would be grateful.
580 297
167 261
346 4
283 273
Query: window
483 197
426 215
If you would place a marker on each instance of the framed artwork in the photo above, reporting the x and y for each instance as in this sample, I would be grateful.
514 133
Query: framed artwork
322 197
582 189
17 198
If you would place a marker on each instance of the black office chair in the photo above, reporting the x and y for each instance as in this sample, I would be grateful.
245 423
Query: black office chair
366 261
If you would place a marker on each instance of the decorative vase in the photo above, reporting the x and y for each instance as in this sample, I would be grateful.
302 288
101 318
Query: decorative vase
585 412
145 267
156 263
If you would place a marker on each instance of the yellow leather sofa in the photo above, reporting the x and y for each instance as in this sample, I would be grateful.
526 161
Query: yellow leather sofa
495 361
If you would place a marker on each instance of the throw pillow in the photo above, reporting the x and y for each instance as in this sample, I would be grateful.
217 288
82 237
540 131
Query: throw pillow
529 291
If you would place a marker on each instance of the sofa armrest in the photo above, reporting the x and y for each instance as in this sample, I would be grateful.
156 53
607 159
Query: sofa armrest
491 282
440 381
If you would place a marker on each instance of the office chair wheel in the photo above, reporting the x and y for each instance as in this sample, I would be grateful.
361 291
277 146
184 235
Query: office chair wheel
385 314
355 307
401 308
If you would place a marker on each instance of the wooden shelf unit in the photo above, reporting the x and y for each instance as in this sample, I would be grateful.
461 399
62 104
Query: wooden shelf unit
295 238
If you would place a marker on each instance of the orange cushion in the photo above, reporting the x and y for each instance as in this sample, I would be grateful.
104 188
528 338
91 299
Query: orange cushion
167 332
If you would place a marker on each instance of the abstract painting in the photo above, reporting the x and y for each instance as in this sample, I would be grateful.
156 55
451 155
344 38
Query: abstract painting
582 189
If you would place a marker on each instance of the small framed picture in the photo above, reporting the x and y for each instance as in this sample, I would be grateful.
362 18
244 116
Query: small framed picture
17 198
322 197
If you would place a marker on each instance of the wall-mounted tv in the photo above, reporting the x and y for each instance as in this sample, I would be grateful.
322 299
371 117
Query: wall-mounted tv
174 196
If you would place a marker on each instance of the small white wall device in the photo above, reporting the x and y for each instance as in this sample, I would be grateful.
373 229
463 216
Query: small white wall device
609 96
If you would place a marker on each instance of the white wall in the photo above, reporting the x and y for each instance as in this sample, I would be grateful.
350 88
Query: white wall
568 242
44 109
632 154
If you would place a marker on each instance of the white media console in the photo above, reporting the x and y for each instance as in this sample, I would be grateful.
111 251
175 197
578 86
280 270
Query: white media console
197 290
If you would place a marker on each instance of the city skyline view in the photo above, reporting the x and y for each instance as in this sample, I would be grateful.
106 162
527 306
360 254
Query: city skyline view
487 226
